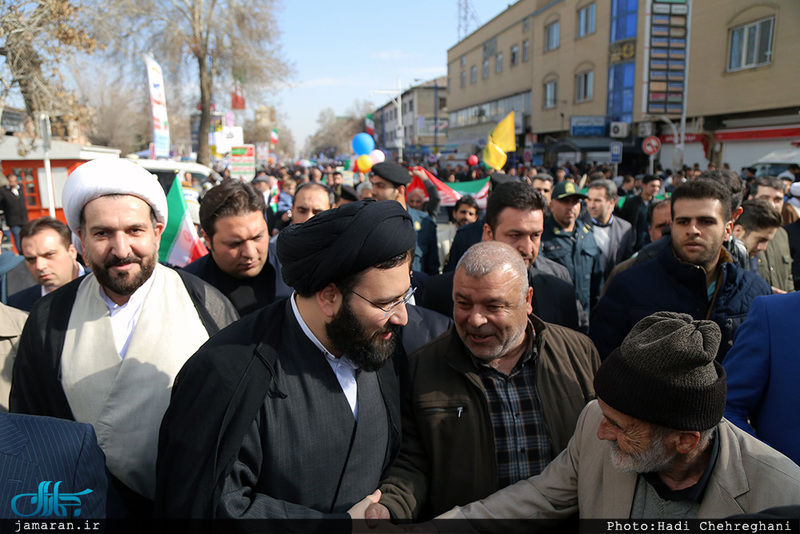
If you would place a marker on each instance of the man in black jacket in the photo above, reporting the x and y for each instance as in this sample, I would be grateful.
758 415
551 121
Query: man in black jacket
515 216
241 264
12 202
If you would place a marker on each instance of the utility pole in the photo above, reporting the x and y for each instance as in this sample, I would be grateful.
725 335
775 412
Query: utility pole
397 98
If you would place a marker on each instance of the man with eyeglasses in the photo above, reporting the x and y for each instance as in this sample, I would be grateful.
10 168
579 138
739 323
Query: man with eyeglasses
291 413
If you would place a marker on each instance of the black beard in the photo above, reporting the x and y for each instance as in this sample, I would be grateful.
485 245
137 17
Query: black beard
347 335
124 285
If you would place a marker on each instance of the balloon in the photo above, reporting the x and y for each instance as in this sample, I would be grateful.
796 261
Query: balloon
363 144
377 156
364 163
472 160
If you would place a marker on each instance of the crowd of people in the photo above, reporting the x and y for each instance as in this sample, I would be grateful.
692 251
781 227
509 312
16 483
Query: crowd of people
581 345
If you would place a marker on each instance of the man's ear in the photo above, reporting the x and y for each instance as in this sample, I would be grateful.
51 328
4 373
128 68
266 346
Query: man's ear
329 300
488 235
686 441
739 231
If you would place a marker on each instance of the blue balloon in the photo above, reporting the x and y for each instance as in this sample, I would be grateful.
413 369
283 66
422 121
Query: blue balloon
363 144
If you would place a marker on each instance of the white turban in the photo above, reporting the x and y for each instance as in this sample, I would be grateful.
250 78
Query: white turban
107 176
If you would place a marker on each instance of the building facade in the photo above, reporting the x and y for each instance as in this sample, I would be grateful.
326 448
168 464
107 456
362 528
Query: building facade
418 126
580 74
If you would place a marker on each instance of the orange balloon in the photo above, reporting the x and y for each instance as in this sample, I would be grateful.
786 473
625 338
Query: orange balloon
364 163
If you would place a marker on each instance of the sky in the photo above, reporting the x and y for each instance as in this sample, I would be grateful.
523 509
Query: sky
343 50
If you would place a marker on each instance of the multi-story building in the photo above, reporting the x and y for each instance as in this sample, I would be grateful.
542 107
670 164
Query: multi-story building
580 74
420 127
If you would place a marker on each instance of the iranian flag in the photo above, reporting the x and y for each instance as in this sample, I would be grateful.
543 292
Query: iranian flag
273 138
369 125
450 193
180 244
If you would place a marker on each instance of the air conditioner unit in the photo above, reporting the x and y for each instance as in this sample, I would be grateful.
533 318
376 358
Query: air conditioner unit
619 129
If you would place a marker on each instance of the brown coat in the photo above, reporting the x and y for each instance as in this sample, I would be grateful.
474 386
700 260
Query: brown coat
447 457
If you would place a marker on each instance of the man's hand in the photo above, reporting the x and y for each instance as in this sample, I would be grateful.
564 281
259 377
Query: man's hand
376 512
359 509
777 291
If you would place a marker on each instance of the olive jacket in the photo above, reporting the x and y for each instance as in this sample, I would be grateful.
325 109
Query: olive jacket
447 456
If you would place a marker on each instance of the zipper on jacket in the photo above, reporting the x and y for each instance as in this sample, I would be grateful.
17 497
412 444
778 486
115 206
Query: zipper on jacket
457 409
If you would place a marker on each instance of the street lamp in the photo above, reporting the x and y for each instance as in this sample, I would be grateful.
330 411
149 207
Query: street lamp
397 98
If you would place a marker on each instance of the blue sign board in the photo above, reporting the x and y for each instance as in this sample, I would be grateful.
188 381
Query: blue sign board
616 152
587 125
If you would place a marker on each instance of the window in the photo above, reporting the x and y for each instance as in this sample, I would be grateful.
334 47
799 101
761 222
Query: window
464 78
550 89
410 106
463 61
583 86
514 55
751 45
586 20
620 92
498 68
623 19
551 36
485 68
525 48
473 74
526 24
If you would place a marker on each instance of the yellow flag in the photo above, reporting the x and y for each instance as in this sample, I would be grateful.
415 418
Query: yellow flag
493 156
503 134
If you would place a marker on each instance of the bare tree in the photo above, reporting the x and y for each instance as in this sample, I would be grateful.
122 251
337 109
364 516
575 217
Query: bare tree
224 40
36 36
334 134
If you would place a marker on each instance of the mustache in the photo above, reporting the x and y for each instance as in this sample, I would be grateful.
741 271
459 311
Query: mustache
117 262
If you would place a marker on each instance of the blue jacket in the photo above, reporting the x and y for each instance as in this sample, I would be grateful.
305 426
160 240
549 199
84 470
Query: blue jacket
579 253
665 283
762 368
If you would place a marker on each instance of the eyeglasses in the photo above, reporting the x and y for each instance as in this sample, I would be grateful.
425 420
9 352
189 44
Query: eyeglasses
392 307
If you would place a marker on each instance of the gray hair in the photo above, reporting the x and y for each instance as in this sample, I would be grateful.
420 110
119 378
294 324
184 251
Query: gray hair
608 185
488 256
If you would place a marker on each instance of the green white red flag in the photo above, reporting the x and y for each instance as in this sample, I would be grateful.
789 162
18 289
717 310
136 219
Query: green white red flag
450 193
180 244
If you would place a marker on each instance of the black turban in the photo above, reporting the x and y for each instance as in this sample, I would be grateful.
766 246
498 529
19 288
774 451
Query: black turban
343 241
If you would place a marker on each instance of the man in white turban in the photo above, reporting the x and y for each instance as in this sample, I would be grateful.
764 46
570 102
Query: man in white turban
105 348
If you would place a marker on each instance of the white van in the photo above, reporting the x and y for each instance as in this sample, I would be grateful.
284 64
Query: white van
776 162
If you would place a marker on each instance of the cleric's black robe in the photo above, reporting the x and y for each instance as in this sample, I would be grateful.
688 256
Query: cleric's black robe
262 367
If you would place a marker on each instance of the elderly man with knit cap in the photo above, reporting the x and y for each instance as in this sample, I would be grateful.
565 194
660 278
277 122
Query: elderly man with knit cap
654 444
290 412
104 348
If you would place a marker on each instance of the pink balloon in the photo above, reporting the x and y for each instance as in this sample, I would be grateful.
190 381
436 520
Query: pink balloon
377 156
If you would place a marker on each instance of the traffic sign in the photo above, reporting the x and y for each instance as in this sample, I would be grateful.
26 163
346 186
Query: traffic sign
651 145
616 151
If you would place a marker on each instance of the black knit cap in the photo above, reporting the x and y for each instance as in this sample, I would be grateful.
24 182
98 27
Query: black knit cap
665 373
343 241
392 172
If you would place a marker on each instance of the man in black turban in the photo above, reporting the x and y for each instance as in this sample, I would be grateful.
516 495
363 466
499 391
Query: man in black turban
290 412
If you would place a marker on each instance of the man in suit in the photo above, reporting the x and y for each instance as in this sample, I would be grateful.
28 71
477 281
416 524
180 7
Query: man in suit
670 454
515 216
12 202
762 372
50 257
36 450
612 234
